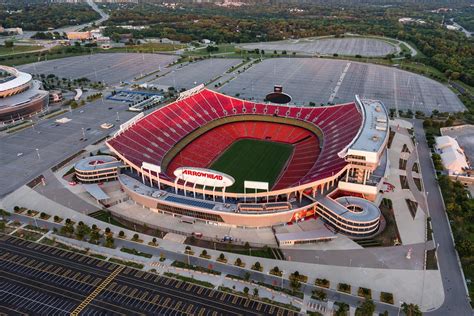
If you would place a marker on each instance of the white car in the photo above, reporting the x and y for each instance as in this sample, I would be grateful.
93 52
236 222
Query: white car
19 154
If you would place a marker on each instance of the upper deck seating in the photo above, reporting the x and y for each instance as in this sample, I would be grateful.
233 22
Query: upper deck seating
150 138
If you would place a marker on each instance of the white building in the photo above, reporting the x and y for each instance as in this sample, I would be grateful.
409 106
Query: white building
452 156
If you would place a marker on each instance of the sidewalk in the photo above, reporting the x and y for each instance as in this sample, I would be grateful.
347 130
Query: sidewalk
412 230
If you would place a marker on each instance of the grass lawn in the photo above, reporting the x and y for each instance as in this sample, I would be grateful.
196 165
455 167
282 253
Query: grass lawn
253 160
149 48
202 51
18 49
106 217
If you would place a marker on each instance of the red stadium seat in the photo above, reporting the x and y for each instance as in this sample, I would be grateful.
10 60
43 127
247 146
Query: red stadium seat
153 136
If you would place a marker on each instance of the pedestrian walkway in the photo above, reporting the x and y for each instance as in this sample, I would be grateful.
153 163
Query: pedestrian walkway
412 230
418 195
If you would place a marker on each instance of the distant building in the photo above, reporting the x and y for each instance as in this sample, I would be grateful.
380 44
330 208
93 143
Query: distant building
452 156
55 96
453 27
79 36
411 21
12 30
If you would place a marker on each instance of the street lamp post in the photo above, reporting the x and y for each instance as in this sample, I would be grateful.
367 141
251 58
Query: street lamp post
399 308
37 152
282 272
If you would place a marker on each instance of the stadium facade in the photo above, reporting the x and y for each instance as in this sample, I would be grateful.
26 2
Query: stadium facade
20 95
335 171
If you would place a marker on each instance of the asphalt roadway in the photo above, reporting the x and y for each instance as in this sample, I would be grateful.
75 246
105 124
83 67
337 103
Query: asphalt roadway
37 278
456 301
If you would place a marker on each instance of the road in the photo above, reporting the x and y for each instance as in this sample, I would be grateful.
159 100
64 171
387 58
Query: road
456 299
468 33
118 290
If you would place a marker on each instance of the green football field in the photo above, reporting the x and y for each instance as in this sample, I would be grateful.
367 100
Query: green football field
253 160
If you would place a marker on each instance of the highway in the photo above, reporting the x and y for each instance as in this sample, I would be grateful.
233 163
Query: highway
456 300
60 280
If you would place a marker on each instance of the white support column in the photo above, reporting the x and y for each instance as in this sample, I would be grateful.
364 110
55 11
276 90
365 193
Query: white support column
214 194
194 190
184 187
143 176
151 180
204 192
223 194
176 186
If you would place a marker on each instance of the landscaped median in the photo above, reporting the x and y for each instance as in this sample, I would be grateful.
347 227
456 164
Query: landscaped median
189 280
257 298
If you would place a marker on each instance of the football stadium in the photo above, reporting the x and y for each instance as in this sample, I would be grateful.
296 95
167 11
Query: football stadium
20 95
224 161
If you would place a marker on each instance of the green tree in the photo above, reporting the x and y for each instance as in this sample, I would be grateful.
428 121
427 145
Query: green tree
247 276
246 290
367 307
255 291
295 284
411 309
115 37
109 241
343 309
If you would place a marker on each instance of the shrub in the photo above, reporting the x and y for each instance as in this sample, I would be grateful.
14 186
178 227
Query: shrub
257 266
386 297
343 287
322 282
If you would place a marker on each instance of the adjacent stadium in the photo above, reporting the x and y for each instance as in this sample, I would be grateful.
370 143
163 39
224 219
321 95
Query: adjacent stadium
218 159
20 95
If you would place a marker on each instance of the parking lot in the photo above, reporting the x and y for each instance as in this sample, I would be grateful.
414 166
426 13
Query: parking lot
193 74
55 141
110 68
56 281
349 46
322 80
